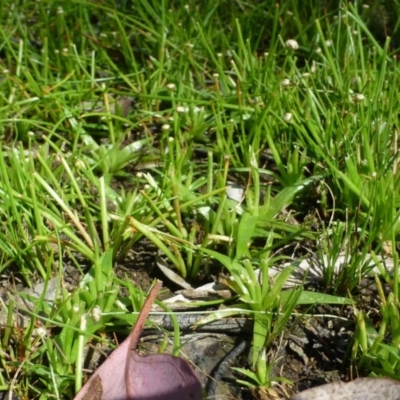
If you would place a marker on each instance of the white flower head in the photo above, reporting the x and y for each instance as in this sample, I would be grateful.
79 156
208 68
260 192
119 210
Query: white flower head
171 86
314 67
40 331
285 82
288 117
96 313
79 164
359 98
292 44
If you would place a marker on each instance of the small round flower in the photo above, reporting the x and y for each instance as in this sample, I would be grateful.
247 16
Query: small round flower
314 67
96 313
285 82
171 86
180 109
215 75
41 332
355 81
288 117
79 164
328 43
166 127
359 97
292 44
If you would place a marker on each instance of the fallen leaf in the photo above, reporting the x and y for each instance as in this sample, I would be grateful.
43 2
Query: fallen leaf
161 376
170 274
126 375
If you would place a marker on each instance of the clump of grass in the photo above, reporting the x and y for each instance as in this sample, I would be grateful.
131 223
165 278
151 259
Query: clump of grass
218 133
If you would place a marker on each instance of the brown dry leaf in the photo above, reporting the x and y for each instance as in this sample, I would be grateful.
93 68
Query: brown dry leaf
359 389
263 393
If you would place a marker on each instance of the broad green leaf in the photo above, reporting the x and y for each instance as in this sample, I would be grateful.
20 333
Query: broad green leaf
307 297
245 232
233 266
260 333
276 290
107 262
283 199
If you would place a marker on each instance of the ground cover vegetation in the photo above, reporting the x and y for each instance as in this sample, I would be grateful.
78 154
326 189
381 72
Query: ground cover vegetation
220 140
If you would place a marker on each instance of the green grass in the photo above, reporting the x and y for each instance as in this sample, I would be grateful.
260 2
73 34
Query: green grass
119 123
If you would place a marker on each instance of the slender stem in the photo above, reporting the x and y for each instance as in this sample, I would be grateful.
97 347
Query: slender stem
144 312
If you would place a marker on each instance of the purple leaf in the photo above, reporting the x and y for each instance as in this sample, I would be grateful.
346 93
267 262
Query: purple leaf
126 375
161 376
